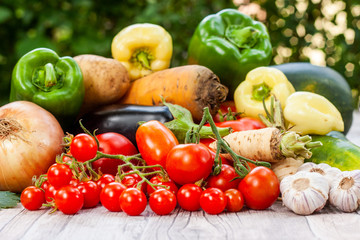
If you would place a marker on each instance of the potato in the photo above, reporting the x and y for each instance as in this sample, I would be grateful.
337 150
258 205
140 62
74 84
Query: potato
106 80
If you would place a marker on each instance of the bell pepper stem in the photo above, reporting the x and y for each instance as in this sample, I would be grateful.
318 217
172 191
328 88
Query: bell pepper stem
261 91
50 75
45 77
143 59
242 37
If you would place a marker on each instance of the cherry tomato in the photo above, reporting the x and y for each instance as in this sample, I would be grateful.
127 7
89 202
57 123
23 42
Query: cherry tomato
45 185
133 201
91 193
104 180
113 143
162 201
188 163
32 198
213 200
235 200
50 193
69 199
188 197
74 182
154 141
225 179
83 147
59 175
131 180
260 188
159 180
109 196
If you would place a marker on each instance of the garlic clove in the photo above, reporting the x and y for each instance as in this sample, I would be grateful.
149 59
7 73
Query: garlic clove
304 192
330 173
345 191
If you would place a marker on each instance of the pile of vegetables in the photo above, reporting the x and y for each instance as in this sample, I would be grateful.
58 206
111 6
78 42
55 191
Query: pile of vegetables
128 131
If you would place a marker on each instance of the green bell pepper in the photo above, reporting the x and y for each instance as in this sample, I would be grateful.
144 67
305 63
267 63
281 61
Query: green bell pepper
54 83
231 44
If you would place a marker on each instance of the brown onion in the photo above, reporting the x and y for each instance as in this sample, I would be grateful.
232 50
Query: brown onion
30 139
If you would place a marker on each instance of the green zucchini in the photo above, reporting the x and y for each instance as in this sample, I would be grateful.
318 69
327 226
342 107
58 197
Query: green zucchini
337 151
324 81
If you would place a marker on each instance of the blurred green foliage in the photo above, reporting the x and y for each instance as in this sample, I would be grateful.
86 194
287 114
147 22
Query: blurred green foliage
75 27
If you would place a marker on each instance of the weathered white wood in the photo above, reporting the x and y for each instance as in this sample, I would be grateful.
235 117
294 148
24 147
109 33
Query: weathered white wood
277 222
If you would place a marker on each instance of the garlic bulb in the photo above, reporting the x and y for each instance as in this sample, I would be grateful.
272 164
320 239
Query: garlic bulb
345 191
324 169
286 167
304 192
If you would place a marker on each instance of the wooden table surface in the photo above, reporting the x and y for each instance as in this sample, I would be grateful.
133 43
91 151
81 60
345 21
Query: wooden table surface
277 222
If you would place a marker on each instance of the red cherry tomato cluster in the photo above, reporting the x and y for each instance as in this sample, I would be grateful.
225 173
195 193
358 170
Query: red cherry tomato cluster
179 175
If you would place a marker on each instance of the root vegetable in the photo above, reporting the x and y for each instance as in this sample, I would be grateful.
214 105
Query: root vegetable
268 144
192 86
105 79
288 166
30 139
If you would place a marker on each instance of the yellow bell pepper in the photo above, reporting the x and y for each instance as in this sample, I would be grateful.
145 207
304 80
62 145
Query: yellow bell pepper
311 113
142 48
260 83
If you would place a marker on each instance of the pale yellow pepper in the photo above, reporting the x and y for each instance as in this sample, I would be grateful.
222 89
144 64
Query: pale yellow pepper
143 48
311 113
260 83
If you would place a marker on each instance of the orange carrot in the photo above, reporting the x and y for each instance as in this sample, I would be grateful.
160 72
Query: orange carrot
192 86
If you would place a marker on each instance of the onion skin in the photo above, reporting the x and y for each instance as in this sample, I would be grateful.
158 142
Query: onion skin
29 150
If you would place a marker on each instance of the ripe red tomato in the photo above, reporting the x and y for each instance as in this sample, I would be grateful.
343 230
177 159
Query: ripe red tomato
113 143
59 175
45 185
162 201
50 193
83 147
235 200
104 180
188 197
32 198
109 196
131 180
160 181
91 193
260 188
213 200
154 141
188 163
224 180
69 199
133 201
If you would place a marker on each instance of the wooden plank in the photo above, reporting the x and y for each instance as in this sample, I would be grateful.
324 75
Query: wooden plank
98 223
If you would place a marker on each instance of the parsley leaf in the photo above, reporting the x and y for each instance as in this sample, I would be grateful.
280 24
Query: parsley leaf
8 199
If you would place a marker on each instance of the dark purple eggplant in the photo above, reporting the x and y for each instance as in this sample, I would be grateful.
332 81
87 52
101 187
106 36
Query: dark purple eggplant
122 119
